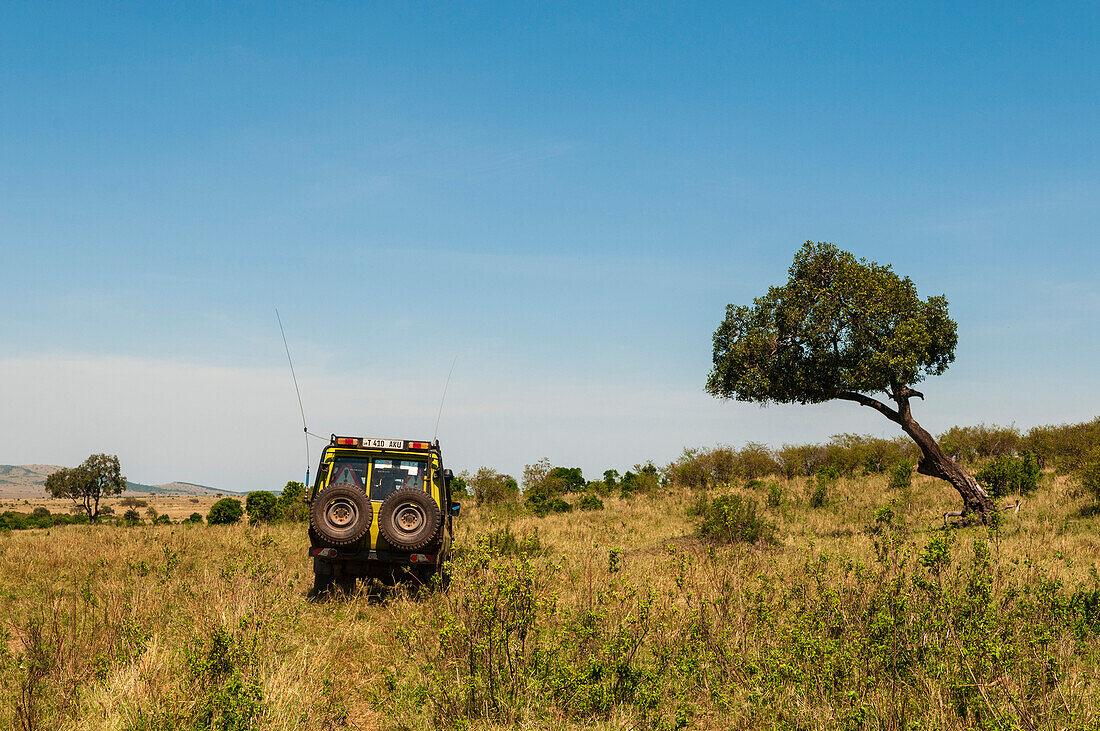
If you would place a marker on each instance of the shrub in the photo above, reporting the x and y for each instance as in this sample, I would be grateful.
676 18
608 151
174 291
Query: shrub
194 518
291 503
458 487
491 487
571 478
901 475
131 517
775 495
819 497
261 506
731 519
824 481
1089 474
553 505
972 443
590 502
1007 474
541 486
225 512
798 460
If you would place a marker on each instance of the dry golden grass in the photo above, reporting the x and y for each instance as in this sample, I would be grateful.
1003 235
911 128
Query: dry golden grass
124 624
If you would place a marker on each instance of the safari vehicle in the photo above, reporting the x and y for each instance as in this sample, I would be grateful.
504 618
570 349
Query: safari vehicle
380 509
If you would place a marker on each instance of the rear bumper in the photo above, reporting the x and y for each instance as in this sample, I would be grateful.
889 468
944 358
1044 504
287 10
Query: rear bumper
335 555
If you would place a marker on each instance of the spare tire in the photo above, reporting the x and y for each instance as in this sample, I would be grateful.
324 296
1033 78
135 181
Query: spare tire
340 514
409 519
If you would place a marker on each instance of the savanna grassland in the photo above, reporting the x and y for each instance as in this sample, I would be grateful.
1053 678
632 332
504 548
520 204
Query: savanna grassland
849 616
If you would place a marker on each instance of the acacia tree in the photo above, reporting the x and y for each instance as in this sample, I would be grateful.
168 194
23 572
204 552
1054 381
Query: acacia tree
848 329
86 484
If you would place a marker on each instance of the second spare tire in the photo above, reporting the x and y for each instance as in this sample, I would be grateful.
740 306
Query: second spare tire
409 519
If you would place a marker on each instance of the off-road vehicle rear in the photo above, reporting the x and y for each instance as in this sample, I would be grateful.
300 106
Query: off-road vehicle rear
380 509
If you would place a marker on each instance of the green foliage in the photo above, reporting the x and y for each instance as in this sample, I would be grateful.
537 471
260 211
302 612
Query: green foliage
459 487
775 495
590 502
131 517
12 520
968 444
162 520
261 506
731 519
570 478
226 681
492 487
544 485
1007 474
645 479
1089 474
1064 447
96 477
901 475
825 480
291 503
838 325
194 518
225 512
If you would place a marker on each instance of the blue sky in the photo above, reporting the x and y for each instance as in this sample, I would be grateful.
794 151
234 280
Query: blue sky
564 199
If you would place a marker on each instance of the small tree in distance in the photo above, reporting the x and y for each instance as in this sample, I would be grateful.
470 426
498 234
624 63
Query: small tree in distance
95 478
225 512
847 329
261 506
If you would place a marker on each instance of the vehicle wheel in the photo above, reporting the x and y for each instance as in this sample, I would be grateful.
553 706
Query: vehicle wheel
321 583
409 519
340 514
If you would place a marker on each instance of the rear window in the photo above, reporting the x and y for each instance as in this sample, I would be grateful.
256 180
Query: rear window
392 474
350 471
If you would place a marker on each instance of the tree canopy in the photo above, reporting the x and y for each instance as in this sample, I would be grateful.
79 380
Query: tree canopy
839 325
86 484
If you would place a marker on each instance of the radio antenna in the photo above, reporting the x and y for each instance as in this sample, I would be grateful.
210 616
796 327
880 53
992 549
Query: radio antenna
301 408
435 437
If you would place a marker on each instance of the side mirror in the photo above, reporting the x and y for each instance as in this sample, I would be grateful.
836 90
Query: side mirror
455 509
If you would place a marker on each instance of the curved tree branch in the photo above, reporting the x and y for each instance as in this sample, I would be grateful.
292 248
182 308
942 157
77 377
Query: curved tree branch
875 404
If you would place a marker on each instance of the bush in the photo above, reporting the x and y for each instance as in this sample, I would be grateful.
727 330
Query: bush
901 475
590 502
225 512
571 478
730 519
194 518
162 520
775 495
1007 474
292 505
968 444
261 506
1089 474
824 481
491 487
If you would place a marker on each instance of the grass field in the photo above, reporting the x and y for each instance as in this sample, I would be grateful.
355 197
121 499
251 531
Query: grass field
853 618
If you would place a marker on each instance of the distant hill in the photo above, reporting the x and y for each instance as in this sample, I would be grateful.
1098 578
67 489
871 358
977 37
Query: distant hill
29 481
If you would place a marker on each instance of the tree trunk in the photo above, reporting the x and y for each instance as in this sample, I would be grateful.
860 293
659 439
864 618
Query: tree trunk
934 462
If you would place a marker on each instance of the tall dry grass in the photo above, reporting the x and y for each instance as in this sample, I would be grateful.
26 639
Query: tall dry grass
617 618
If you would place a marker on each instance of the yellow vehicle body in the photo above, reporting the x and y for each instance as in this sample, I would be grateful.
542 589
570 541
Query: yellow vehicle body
380 509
